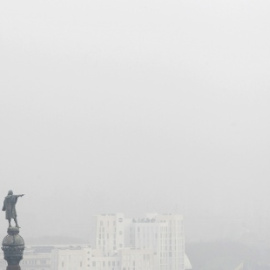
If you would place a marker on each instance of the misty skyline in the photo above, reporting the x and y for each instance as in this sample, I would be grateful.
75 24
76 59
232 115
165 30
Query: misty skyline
135 107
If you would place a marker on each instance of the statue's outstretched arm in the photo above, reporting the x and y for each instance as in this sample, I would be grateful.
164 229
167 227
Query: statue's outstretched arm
21 195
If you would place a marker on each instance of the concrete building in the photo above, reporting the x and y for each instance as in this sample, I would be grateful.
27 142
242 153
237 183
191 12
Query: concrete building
70 258
164 235
110 233
160 235
139 259
155 242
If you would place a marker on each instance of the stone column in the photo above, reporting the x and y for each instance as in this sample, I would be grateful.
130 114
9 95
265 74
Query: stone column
13 247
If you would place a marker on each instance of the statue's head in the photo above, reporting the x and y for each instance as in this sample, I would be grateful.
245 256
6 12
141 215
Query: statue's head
10 192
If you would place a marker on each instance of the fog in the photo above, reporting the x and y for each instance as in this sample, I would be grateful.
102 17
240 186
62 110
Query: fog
135 107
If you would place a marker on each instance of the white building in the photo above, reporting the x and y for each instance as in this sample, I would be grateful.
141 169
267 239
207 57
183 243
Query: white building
110 233
139 259
37 258
155 242
161 235
164 235
71 258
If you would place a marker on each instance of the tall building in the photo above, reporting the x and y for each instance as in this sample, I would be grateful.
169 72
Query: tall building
164 235
161 235
155 242
110 233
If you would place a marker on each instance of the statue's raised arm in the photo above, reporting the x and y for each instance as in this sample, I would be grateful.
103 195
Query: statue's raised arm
10 207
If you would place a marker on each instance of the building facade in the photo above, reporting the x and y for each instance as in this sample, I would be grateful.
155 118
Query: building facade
155 242
160 235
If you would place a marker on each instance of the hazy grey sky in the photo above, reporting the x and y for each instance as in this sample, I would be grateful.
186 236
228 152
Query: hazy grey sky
133 106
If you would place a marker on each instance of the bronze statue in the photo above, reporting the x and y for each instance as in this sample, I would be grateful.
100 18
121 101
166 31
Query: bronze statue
9 206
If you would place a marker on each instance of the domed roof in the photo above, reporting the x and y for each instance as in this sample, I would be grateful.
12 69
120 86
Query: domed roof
13 238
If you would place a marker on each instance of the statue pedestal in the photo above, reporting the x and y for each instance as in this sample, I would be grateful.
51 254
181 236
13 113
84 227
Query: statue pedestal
13 247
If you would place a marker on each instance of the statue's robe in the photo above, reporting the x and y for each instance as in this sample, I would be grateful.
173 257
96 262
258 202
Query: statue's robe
9 206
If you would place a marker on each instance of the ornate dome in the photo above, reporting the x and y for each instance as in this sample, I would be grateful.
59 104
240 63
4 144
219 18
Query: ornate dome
13 238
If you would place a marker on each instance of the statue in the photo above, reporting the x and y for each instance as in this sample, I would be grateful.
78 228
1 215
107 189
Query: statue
9 206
